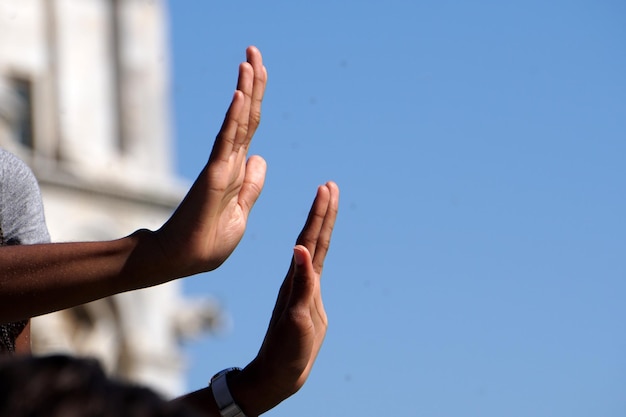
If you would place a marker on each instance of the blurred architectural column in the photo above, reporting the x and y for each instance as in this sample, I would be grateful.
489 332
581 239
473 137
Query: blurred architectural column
84 99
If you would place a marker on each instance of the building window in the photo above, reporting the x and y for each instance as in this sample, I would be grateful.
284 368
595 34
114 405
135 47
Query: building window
16 111
23 123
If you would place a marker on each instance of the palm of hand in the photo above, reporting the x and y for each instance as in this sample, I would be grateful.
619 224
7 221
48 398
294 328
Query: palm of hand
226 229
209 223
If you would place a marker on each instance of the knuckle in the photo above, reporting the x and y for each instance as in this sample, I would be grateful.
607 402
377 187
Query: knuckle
255 117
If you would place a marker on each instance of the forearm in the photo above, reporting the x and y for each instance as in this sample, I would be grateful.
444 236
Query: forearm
38 279
201 402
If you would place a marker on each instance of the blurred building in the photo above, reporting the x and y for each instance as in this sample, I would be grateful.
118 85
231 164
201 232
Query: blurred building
84 101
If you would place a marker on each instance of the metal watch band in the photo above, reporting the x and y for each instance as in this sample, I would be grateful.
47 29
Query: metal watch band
221 393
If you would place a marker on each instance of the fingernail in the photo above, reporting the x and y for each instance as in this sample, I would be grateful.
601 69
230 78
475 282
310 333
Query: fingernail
298 256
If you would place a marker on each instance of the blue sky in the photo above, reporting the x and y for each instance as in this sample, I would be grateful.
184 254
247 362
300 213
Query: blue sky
478 263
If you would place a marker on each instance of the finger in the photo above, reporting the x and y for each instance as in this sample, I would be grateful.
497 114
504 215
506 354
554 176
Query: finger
326 231
252 183
245 85
308 239
258 90
225 139
311 230
305 302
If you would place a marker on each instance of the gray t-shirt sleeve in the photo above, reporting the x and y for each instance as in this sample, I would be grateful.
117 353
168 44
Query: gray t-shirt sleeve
22 219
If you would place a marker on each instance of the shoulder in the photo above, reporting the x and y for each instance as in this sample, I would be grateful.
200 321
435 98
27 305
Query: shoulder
17 181
15 172
21 209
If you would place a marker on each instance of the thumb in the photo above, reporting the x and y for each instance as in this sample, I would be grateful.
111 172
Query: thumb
252 182
303 283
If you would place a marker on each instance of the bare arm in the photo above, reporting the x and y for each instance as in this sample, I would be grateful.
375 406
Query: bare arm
201 234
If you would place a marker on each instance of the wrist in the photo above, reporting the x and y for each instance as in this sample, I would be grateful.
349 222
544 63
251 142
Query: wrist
147 264
244 391
222 396
254 390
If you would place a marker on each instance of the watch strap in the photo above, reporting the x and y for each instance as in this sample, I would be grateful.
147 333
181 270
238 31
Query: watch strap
221 393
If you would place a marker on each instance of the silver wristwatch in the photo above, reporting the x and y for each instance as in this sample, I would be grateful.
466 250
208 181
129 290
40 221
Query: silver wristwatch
221 393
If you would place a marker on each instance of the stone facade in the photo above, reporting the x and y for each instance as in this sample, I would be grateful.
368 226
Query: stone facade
84 101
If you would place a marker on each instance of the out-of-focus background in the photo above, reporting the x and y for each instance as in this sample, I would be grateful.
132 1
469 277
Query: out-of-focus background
477 266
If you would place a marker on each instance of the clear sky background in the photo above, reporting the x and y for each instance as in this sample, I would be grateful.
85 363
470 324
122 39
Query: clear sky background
478 266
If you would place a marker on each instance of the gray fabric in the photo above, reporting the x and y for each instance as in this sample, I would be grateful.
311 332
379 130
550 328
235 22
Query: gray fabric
21 222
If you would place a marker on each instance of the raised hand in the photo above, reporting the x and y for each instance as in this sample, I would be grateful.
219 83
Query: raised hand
298 324
210 222
201 234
